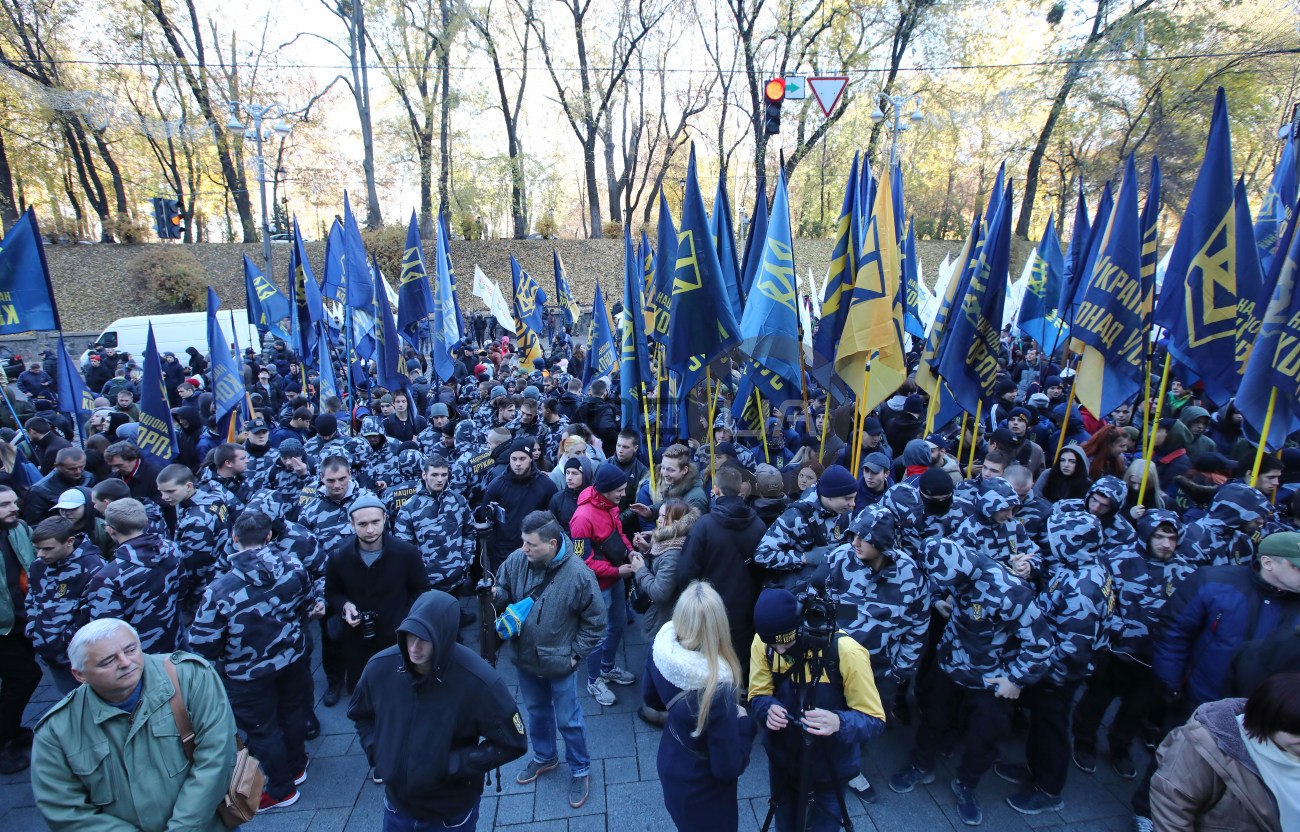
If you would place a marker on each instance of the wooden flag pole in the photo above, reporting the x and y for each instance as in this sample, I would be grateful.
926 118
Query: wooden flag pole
646 412
857 445
1263 439
974 439
932 411
762 420
826 420
1065 420
1149 451
713 403
961 438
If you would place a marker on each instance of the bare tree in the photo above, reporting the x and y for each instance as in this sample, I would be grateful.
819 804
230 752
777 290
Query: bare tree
509 106
587 108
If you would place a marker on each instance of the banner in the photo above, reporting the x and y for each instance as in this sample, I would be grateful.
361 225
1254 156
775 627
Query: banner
1279 205
839 287
569 312
600 358
1039 318
414 299
1275 359
74 398
156 435
635 373
268 308
769 328
724 242
26 295
490 293
358 282
227 381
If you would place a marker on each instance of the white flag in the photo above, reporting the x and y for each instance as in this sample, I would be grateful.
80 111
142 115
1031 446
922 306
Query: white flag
496 302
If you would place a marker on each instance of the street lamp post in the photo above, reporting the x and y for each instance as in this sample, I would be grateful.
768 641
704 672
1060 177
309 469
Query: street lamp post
258 112
897 103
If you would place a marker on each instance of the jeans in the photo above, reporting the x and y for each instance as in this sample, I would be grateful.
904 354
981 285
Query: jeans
548 701
395 821
20 675
61 676
603 657
273 712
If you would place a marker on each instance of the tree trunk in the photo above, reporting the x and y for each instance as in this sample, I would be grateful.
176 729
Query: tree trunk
374 219
1040 149
8 207
119 187
444 124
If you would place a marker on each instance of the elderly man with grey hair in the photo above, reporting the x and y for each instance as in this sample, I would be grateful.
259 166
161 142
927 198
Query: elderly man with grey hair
108 757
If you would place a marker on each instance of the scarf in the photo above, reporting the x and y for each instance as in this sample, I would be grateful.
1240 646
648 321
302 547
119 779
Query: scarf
1280 771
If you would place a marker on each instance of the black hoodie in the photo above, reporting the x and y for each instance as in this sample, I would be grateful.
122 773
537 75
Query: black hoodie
432 738
718 549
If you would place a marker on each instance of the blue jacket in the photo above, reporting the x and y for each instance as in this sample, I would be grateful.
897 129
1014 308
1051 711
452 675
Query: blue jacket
1213 612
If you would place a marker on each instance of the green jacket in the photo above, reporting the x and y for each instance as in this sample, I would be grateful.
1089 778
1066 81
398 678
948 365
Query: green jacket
97 768
20 537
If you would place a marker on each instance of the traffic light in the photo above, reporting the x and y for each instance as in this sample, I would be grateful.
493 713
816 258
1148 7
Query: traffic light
773 94
173 221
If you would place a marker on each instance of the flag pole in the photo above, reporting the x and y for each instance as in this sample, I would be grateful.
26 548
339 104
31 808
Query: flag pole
1263 439
974 439
961 439
1065 420
762 421
713 401
651 457
857 446
826 420
1149 451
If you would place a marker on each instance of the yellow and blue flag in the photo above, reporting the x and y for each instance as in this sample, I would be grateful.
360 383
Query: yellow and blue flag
444 241
268 308
156 435
660 292
332 280
414 298
724 241
444 328
390 364
927 373
329 383
528 301
635 374
75 398
1279 204
1108 317
1038 314
1075 254
307 308
769 329
600 358
754 238
839 287
26 295
1076 281
1275 359
701 325
912 323
563 295
873 326
358 282
1150 245
227 381
1200 299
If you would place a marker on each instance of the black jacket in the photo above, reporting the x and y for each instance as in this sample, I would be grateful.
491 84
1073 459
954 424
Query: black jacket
48 448
389 587
518 496
717 550
39 501
432 738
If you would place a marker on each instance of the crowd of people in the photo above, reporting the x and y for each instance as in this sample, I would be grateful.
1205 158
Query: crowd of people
810 582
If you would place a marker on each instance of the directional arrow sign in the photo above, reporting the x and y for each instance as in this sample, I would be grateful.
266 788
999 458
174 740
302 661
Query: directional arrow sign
828 91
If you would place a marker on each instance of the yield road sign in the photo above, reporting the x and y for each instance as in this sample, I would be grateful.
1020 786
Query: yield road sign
828 91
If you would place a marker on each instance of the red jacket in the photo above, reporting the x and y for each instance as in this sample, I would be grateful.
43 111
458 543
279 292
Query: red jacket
596 519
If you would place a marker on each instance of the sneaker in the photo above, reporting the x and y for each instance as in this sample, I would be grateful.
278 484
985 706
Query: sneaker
267 803
600 692
302 778
534 770
1015 773
375 778
1123 765
1035 802
332 694
863 789
617 676
1085 760
1143 824
909 778
968 806
578 791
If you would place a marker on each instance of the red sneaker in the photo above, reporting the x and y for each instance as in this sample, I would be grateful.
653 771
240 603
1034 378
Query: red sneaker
269 802
302 778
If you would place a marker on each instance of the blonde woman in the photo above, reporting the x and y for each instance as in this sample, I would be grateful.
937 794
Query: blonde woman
692 674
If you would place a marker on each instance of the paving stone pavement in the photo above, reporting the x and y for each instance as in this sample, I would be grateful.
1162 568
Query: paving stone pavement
625 794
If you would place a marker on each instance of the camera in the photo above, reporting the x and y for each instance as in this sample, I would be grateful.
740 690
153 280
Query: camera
369 625
817 608
488 516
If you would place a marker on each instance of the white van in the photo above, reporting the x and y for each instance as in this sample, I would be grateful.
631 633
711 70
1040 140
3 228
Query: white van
173 333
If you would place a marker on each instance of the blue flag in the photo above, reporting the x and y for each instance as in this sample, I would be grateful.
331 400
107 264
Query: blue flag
927 374
754 237
156 436
363 333
660 306
601 356
1039 317
528 302
634 375
414 300
912 323
1075 255
444 240
358 282
1274 360
724 241
701 325
268 308
390 365
769 329
445 326
1279 204
569 313
1200 297
227 381
26 296
839 286
329 383
332 281
968 363
1096 234
1108 318
307 307
1150 245
74 397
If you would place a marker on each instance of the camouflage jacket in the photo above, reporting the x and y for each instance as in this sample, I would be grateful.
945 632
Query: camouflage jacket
805 528
318 448
441 527
260 467
470 474
57 600
1078 600
327 518
249 622
141 585
1219 538
396 494
914 524
892 609
233 491
996 627
999 541
1143 583
374 466
549 438
202 533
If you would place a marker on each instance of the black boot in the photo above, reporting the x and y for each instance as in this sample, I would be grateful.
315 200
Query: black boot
332 693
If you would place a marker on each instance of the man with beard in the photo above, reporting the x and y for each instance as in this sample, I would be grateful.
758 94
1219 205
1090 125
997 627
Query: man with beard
69 472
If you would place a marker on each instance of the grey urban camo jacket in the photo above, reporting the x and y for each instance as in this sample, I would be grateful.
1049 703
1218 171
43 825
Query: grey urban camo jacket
57 600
